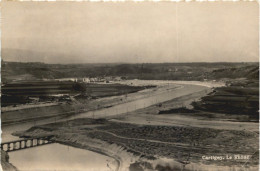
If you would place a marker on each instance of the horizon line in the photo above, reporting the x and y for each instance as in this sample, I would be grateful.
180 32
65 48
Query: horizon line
126 62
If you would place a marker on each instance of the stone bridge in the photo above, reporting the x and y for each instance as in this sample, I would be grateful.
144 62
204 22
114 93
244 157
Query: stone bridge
25 143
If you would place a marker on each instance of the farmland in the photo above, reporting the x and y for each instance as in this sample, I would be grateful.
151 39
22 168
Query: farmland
151 142
239 98
51 91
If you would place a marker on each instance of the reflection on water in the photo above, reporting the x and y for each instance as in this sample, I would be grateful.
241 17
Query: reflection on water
48 158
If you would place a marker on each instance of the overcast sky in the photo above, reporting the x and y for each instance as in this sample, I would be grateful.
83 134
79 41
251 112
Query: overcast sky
88 32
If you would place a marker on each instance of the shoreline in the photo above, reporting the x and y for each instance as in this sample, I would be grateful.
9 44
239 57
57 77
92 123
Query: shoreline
5 164
85 147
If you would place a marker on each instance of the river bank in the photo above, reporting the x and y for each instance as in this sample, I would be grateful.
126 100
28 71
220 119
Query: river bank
39 112
103 107
74 104
48 158
5 164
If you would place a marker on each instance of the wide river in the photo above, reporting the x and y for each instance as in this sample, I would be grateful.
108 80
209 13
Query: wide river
61 156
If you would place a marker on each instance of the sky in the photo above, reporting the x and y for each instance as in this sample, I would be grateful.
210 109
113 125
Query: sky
130 32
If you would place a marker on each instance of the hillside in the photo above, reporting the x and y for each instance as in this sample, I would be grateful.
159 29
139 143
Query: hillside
240 72
158 71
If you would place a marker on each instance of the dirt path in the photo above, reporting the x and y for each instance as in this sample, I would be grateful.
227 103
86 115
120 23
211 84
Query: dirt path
179 120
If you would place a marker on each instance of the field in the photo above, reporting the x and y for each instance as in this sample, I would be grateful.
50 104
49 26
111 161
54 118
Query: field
239 98
53 91
186 145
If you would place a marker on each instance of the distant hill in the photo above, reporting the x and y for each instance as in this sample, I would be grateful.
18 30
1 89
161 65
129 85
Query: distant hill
251 72
159 71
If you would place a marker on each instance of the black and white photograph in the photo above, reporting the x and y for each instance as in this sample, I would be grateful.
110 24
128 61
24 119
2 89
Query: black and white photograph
129 85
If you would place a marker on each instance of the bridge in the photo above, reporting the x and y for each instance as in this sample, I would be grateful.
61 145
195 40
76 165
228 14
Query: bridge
25 143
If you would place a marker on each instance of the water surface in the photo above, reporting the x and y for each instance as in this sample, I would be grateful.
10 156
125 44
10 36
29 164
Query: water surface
60 157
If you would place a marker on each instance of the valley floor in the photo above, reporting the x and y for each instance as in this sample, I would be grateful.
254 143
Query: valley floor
145 139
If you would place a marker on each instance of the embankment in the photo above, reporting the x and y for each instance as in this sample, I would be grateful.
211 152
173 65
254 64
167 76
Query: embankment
31 114
6 166
68 109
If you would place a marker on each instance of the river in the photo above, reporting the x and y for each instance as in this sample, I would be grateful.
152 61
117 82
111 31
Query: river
154 97
48 156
